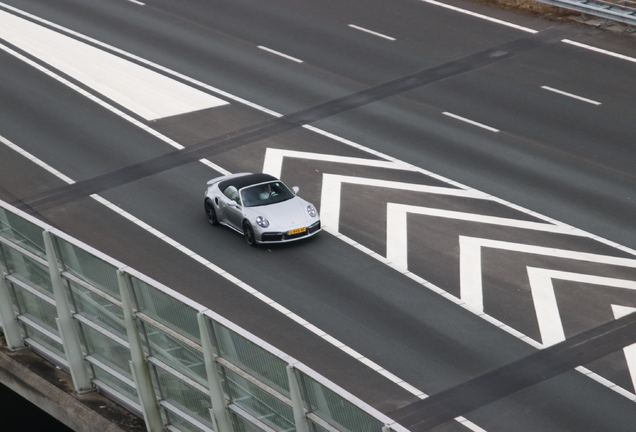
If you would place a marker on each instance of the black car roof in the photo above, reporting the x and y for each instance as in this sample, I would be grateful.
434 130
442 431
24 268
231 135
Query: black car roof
246 180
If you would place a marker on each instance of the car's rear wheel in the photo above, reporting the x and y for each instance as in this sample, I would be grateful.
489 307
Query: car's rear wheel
210 213
248 234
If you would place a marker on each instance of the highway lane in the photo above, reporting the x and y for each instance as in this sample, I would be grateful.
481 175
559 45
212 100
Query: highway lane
160 189
546 125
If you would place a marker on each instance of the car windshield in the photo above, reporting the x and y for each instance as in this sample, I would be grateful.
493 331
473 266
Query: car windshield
265 194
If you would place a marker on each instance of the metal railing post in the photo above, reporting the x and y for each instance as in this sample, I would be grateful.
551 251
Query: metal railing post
219 412
8 320
138 365
300 419
65 323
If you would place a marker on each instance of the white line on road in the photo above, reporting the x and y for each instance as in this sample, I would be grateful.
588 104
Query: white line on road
481 125
147 93
280 54
371 32
561 92
137 2
484 17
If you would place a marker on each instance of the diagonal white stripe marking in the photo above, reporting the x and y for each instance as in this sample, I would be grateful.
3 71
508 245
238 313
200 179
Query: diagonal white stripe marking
145 92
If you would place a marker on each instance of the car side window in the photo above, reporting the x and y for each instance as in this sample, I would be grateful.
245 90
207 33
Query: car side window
232 193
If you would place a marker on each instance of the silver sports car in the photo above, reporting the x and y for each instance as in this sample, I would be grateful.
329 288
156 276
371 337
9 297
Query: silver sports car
261 208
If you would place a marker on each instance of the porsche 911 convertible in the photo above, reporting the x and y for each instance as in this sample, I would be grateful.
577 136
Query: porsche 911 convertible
260 207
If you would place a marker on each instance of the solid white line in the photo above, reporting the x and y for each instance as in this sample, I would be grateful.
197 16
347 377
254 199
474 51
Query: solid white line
474 123
280 54
599 50
485 17
137 2
371 32
570 95
235 281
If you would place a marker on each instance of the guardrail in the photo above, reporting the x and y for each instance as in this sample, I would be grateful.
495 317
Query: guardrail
178 364
623 11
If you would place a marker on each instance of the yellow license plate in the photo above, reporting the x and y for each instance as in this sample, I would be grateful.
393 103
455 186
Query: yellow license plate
297 231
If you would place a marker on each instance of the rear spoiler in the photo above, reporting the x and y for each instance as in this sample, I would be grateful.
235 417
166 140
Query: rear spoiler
225 177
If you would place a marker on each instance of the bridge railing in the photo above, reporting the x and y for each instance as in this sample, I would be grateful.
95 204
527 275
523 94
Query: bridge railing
623 11
178 364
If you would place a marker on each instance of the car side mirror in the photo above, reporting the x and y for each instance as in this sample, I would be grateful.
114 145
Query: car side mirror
232 204
296 189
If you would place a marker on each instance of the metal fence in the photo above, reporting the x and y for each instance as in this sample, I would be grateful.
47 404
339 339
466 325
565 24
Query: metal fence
179 365
623 11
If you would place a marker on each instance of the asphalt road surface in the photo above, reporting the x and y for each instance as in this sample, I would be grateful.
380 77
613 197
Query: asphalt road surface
473 173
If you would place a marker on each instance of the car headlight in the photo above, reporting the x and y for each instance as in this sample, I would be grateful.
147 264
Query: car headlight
262 222
311 210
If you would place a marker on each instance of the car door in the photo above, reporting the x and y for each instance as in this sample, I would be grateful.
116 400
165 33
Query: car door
231 207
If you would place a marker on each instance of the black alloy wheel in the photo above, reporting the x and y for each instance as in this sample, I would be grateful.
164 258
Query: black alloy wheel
210 213
248 234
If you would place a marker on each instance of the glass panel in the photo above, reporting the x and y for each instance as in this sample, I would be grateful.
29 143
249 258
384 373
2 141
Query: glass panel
115 383
259 403
29 271
37 309
314 427
337 411
46 341
99 310
22 232
167 310
107 351
241 425
253 359
177 354
185 397
89 268
181 424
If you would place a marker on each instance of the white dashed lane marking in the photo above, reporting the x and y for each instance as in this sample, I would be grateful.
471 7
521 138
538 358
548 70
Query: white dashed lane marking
353 26
278 53
561 92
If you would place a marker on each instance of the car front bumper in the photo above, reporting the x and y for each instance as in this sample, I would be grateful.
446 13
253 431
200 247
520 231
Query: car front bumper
283 237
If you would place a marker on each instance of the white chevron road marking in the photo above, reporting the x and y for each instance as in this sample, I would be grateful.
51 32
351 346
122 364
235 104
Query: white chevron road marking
630 351
547 309
332 193
397 229
273 163
471 290
545 302
470 269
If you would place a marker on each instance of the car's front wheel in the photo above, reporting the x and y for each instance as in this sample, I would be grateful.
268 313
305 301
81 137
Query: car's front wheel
210 213
248 233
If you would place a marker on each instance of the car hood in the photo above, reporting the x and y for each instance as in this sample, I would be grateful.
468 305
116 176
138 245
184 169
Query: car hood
285 215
